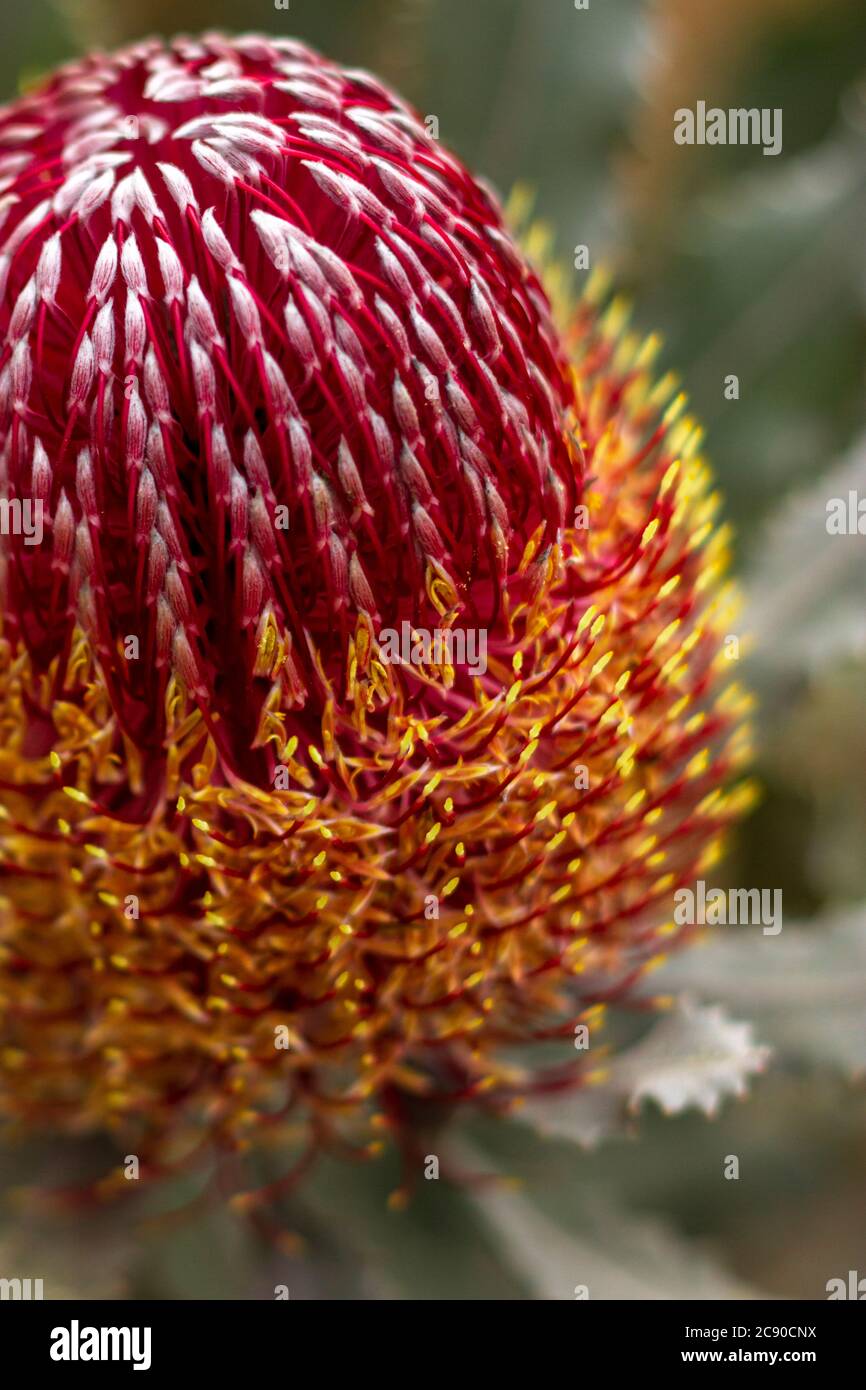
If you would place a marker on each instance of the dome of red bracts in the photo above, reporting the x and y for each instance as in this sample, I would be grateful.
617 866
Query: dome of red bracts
362 690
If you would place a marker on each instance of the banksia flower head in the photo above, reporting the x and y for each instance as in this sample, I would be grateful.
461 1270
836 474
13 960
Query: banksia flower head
363 699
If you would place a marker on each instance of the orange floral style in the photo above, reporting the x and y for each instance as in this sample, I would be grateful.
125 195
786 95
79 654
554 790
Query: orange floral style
281 379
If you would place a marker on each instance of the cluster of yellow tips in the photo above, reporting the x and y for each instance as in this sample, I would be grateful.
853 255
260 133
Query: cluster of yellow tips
278 961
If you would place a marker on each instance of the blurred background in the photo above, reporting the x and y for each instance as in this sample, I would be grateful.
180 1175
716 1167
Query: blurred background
749 265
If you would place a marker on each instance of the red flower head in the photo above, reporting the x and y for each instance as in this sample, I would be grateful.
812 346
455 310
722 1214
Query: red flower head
360 669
